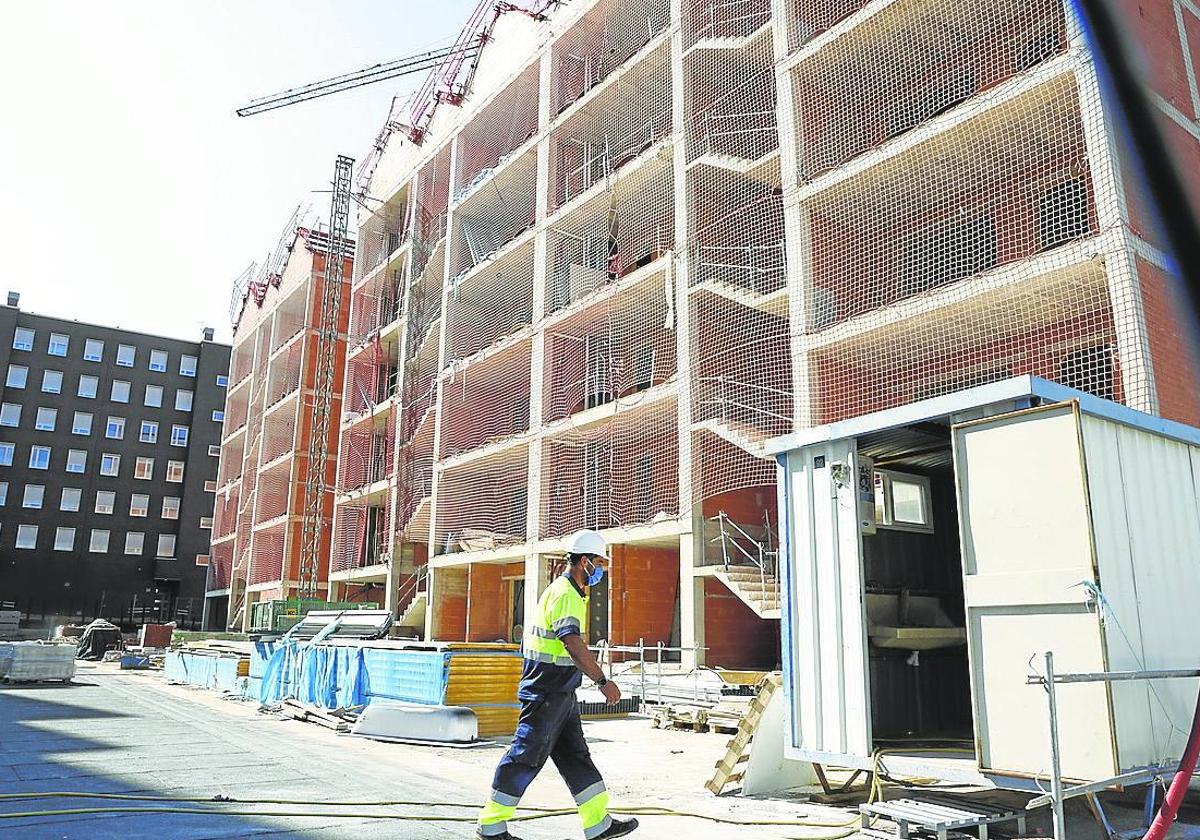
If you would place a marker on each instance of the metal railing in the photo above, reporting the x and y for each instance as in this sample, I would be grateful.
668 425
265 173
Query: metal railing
408 593
726 393
735 15
741 548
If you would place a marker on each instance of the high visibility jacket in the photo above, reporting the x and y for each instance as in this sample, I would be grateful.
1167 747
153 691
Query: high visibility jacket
560 612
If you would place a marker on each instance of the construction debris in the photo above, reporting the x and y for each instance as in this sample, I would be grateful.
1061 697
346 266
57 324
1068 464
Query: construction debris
729 770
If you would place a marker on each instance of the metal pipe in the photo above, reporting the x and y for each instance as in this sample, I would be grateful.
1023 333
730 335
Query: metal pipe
1056 786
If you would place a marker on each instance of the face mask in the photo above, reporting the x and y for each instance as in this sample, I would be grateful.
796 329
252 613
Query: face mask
595 575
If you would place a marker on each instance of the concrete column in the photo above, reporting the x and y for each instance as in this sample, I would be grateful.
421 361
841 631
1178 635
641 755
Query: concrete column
691 593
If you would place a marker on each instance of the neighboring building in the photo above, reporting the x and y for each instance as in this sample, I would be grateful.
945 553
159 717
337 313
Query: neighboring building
258 529
108 456
613 257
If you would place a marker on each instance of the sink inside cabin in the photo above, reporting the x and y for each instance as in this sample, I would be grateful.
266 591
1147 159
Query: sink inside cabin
910 622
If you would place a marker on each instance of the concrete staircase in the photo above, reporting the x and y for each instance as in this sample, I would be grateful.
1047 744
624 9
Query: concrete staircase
414 613
743 435
748 583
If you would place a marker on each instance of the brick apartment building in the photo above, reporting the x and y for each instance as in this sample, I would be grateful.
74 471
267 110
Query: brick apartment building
637 238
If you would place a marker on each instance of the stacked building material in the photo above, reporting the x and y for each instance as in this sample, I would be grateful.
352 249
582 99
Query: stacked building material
36 662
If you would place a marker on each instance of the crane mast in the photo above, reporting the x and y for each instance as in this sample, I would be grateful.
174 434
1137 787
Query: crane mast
315 485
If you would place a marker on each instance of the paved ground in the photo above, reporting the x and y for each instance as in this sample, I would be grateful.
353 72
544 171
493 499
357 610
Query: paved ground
122 732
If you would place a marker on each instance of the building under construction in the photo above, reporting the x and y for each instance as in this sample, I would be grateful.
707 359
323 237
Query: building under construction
624 242
259 518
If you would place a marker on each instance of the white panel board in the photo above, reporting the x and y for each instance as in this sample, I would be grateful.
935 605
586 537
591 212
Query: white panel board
830 711
1146 513
1027 561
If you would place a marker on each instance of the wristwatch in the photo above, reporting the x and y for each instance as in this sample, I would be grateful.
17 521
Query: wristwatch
600 683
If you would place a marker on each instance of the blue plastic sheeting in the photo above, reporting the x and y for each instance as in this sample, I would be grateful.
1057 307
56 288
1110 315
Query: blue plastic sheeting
338 676
259 658
413 676
219 673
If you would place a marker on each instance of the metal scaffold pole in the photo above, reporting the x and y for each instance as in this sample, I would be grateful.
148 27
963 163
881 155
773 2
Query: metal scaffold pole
315 486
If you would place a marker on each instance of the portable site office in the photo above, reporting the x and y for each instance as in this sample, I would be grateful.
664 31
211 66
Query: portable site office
933 552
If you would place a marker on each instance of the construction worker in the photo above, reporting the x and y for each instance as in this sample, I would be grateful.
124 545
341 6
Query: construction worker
556 658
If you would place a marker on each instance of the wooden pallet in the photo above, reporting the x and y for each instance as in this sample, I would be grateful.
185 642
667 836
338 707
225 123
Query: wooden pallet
940 815
729 770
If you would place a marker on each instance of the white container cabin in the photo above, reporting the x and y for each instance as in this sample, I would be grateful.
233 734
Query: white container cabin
933 552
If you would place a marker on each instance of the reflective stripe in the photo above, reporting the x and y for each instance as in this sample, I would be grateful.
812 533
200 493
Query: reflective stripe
503 798
545 634
493 819
550 658
588 792
569 621
594 813
598 829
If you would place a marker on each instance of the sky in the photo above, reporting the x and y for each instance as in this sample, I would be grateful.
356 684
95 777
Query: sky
130 193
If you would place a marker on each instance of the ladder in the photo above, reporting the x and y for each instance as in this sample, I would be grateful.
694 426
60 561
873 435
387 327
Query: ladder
729 770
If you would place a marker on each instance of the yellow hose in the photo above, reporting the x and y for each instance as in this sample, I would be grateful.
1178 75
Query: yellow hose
843 829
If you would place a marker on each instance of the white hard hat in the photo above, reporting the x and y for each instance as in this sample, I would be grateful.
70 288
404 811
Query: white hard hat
587 542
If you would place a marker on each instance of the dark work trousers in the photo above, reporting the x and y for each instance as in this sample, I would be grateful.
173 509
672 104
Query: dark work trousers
548 728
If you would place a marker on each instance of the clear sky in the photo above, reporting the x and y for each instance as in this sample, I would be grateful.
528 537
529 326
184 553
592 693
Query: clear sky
131 195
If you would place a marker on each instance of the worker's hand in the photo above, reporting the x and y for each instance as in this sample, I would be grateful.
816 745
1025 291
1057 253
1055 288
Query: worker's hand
611 692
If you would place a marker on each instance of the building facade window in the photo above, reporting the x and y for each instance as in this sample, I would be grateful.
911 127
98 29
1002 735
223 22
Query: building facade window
175 471
148 432
187 365
214 451
27 536
58 344
64 539
135 542
170 507
206 523
158 360
125 355
166 546
210 487
23 338
10 415
3 493
81 424
34 494
222 380
76 460
47 419
6 454
183 400
154 394
179 435
88 386
106 502
139 504
115 428
143 468
201 559
52 381
99 541
218 416
71 497
18 375
120 391
93 350
39 457
110 464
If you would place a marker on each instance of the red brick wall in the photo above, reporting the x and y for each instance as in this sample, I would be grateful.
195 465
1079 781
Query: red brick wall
487 608
450 596
644 583
1172 346
734 635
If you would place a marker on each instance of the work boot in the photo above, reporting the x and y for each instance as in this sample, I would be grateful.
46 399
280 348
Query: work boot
619 828
504 836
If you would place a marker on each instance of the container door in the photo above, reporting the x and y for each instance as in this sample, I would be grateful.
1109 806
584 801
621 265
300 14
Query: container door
1028 560
825 644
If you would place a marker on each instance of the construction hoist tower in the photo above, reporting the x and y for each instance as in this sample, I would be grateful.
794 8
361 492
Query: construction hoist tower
315 485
